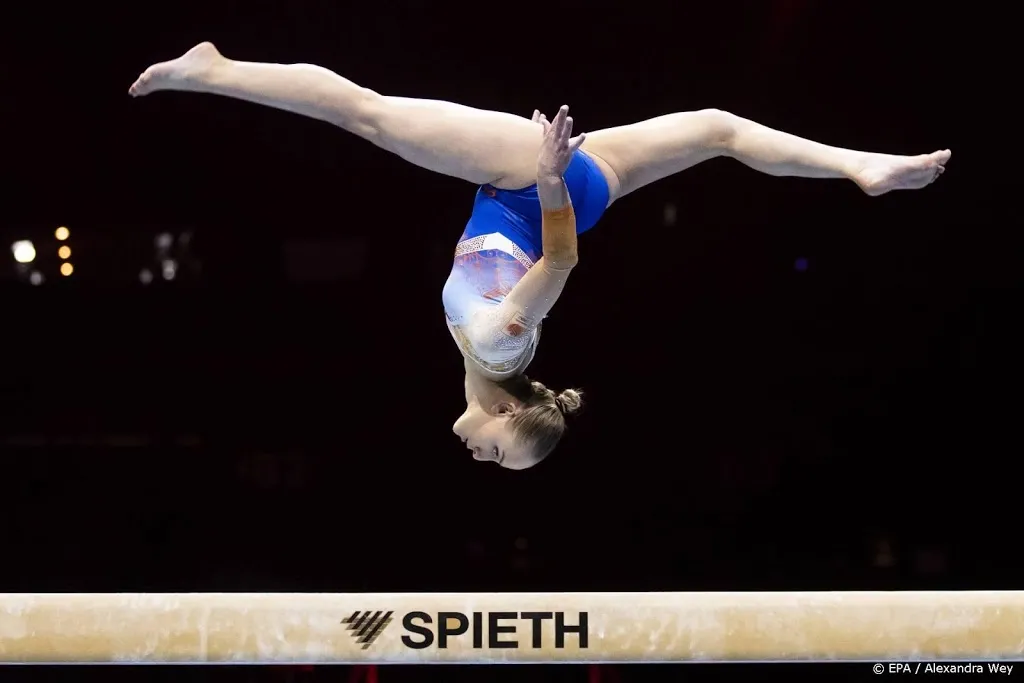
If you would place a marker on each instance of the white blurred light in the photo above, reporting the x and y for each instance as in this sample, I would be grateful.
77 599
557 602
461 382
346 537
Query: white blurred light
24 251
164 241
36 277
670 215
170 269
146 276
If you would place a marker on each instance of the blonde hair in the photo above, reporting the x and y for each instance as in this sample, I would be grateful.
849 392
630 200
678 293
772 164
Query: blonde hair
541 421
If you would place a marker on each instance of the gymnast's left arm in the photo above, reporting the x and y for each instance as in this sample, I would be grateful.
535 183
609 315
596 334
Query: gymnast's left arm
536 293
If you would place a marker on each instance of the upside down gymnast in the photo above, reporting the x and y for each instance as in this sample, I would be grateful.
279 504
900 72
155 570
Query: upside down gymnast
539 188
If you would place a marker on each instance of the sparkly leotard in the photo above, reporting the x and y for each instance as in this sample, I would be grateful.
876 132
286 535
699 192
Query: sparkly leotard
502 241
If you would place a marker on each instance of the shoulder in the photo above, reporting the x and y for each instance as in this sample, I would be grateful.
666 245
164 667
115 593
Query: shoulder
496 329
488 348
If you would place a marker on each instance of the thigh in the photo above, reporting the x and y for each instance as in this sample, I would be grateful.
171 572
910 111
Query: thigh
481 146
641 153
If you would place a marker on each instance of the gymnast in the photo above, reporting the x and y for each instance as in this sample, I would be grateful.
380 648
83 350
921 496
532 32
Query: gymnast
539 187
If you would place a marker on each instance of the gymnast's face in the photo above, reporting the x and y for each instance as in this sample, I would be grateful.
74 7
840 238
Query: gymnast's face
488 436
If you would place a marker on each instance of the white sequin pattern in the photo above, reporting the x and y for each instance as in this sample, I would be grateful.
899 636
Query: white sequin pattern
475 244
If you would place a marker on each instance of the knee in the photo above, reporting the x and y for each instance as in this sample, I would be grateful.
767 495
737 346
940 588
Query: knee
370 115
364 112
719 128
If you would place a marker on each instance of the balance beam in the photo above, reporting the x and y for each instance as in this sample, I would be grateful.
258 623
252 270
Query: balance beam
424 628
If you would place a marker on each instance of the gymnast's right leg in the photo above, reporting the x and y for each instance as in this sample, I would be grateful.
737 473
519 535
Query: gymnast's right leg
482 147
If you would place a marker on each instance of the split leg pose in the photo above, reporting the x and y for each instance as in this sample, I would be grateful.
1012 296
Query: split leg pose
510 266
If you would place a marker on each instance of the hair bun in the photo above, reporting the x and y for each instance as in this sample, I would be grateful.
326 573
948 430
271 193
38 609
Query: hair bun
569 401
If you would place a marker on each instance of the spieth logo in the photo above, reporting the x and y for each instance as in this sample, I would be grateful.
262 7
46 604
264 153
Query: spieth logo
366 627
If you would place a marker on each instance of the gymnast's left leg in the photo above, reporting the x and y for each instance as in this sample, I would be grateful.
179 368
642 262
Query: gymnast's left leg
639 154
482 147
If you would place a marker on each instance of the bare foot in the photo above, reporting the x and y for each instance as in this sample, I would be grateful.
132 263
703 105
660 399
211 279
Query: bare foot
183 73
883 173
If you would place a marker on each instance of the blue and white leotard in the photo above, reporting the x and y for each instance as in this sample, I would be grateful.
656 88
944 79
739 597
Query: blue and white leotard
501 242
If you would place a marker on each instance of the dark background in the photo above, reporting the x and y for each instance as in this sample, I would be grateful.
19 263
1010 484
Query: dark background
278 416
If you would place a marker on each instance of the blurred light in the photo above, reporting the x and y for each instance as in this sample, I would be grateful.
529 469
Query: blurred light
164 241
670 214
62 234
24 251
36 277
66 269
146 276
801 264
170 269
64 252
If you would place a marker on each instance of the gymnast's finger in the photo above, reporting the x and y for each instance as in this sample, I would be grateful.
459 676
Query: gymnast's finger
559 122
567 131
575 143
536 116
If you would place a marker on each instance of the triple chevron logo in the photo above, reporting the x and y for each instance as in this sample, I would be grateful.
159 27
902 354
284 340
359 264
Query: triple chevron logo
366 627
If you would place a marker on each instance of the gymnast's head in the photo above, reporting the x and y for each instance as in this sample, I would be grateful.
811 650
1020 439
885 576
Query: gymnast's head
517 422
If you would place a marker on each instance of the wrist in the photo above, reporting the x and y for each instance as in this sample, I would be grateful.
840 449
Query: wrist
548 178
552 192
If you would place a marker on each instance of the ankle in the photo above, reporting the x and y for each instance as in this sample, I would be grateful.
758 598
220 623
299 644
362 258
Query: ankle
855 164
211 73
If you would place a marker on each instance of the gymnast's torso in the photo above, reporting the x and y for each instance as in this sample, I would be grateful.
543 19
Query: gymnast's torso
501 242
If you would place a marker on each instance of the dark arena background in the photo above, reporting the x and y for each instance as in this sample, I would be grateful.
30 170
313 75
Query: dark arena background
246 383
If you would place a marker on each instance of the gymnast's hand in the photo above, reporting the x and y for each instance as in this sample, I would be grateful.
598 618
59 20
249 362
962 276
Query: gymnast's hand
558 147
